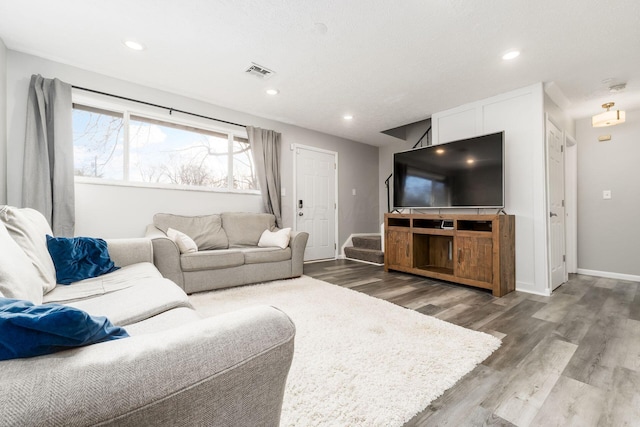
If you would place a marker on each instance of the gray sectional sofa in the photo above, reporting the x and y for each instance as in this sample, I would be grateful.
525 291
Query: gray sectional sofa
175 368
228 252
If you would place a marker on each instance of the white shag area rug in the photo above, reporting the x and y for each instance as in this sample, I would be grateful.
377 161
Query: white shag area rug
359 360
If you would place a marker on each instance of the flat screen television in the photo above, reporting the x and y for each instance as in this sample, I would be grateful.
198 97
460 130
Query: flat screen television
468 173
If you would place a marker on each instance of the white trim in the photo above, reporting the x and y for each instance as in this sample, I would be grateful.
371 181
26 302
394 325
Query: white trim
528 288
571 198
313 261
364 262
609 275
100 181
539 194
126 147
295 146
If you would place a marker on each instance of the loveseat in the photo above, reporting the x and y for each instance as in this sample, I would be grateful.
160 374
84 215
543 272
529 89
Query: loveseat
175 368
228 251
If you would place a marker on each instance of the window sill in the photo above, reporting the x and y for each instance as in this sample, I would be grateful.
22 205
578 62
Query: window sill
155 186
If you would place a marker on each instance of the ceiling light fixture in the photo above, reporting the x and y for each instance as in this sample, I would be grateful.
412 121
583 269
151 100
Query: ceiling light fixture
272 91
347 117
608 118
511 55
133 45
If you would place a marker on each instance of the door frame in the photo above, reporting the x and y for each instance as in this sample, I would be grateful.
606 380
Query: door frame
571 202
550 120
335 190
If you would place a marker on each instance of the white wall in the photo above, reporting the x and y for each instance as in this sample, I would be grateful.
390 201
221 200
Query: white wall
118 211
3 122
520 114
608 230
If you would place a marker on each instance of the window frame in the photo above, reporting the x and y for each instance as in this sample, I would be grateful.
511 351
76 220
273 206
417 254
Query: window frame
131 108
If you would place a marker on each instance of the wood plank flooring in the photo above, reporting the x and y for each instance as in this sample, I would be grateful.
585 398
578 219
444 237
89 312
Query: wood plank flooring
572 359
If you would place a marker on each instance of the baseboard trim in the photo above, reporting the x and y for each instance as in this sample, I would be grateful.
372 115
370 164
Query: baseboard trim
527 288
365 262
609 275
319 260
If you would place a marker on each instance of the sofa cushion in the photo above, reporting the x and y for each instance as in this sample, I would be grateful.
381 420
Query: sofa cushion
245 229
259 255
30 330
211 260
205 230
19 277
79 258
146 298
125 277
164 321
29 228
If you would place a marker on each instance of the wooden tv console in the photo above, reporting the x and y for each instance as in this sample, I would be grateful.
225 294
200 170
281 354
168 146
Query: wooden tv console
474 250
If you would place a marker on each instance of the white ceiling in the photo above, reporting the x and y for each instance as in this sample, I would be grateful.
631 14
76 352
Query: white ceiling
388 63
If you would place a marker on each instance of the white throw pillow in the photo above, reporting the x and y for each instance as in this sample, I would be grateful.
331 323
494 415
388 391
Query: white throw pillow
19 277
29 228
271 239
184 242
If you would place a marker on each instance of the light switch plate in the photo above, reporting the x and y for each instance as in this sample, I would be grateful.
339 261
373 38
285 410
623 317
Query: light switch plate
606 194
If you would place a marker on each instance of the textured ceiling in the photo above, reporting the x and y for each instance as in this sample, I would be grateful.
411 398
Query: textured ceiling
388 63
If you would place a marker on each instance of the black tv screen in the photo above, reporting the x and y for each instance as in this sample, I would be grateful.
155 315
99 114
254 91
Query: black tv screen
461 174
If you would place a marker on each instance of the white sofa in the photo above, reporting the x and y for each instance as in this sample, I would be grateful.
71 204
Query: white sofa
175 368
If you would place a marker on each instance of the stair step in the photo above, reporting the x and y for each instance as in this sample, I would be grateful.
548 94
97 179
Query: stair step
371 255
367 242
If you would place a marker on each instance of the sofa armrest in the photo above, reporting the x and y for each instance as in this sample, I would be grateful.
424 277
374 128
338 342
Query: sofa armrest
228 370
298 243
130 251
166 255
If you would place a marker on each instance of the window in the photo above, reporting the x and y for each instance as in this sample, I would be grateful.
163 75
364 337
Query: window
132 147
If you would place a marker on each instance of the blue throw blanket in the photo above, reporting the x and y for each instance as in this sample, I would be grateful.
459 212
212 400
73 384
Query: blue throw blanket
28 330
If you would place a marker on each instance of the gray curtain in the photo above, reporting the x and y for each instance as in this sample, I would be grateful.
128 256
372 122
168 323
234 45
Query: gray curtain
47 175
265 148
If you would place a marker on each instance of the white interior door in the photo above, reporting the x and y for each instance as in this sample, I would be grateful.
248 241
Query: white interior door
316 201
555 190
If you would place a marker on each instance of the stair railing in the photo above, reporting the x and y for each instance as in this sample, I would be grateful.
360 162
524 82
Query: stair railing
386 181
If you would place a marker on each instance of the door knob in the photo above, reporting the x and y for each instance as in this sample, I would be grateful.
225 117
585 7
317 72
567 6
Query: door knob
300 213
552 214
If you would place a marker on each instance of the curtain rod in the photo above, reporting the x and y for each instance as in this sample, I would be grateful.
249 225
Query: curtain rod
171 110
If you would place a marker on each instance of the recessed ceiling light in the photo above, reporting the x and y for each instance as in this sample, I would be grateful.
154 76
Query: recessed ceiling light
440 151
470 161
272 91
512 54
347 117
133 45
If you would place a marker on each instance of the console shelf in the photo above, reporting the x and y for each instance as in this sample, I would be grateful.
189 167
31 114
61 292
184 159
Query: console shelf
474 250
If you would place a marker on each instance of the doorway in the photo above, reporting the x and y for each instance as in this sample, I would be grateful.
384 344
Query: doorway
315 206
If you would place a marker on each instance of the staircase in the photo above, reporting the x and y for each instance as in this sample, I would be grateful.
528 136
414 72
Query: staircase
365 248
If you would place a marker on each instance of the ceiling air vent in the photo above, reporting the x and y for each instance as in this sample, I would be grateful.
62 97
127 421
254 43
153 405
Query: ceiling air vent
259 71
